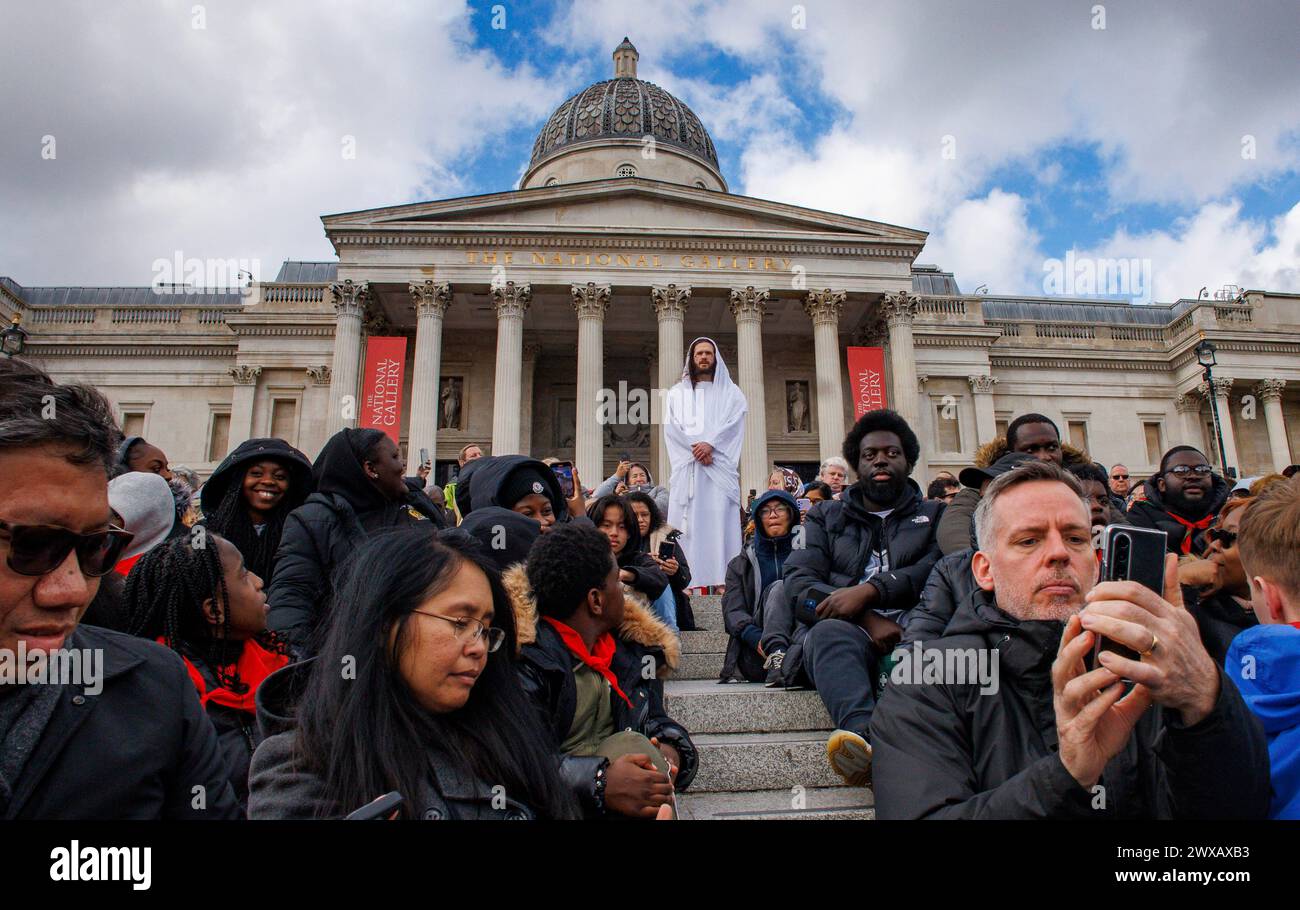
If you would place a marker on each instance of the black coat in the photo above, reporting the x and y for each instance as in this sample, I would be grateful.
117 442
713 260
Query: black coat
744 594
944 750
839 537
950 583
1219 618
281 787
546 670
1154 513
323 532
136 750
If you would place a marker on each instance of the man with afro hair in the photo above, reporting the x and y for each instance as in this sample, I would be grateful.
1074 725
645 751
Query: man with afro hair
864 561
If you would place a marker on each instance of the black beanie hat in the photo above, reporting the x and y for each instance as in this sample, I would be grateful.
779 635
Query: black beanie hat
523 481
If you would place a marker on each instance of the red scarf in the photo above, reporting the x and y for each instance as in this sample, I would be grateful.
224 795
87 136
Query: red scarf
599 661
1191 526
254 665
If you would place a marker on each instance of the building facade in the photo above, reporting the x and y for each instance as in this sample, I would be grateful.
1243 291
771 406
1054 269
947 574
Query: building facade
543 319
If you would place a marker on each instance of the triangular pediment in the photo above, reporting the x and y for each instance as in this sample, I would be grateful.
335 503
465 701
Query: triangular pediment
629 203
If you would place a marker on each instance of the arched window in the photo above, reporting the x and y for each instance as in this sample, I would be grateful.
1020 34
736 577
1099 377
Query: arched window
552 181
700 184
625 170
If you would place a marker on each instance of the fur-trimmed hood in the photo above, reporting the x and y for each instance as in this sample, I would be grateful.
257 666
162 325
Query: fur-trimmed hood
640 625
994 449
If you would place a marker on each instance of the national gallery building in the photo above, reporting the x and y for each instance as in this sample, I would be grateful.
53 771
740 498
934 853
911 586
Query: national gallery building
622 244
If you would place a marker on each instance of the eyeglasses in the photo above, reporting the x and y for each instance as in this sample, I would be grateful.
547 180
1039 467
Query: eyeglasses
771 510
468 630
1201 470
1227 538
40 549
1119 477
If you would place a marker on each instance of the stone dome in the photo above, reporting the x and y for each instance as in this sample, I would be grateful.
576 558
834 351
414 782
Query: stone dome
621 112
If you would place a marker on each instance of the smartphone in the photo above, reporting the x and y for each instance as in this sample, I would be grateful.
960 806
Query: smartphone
424 456
1131 554
564 473
378 809
624 456
808 606
666 549
804 504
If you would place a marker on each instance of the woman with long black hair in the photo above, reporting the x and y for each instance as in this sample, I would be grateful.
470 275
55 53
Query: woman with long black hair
249 495
613 516
414 691
197 596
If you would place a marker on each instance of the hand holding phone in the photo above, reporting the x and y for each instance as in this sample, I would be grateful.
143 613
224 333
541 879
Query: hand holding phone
563 471
378 809
1131 554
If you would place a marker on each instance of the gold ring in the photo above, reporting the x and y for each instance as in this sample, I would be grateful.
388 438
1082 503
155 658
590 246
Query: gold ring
1154 641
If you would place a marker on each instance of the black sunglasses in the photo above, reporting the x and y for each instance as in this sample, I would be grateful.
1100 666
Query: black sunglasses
1119 477
40 549
1227 538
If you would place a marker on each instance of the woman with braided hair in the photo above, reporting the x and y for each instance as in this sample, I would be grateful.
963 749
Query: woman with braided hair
249 495
197 596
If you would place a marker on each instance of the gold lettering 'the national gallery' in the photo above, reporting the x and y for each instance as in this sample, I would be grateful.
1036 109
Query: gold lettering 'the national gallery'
631 260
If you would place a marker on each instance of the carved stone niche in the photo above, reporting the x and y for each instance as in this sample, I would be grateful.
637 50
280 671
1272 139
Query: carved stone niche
798 406
451 403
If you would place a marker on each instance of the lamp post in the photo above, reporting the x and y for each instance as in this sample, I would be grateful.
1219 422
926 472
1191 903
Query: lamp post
14 338
1205 357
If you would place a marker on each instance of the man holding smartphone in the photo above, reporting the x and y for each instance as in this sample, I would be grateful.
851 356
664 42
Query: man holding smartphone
1047 737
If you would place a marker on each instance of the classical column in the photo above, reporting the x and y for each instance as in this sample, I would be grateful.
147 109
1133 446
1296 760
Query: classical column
511 302
748 306
1270 392
241 404
532 351
986 426
824 308
315 408
1223 392
431 302
349 304
900 310
1189 406
670 304
590 301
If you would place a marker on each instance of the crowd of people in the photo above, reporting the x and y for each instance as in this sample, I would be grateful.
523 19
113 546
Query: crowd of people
299 639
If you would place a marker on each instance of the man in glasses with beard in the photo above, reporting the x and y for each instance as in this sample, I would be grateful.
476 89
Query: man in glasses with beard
128 738
864 562
1182 500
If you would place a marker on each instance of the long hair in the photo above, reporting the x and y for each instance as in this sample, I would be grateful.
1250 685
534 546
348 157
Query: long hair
231 521
694 371
367 734
164 598
596 512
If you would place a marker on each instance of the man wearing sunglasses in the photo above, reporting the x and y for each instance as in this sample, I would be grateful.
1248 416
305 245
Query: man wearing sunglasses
1119 481
1182 500
132 742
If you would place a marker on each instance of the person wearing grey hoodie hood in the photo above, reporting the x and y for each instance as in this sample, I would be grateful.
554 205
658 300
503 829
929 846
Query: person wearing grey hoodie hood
635 476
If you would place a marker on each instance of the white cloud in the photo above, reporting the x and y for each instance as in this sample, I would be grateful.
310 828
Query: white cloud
989 241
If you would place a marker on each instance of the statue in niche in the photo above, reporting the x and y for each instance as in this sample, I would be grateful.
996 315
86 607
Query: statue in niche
450 400
797 417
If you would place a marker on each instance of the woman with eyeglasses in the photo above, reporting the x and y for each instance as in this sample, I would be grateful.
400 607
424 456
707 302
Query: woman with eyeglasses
197 596
1215 589
415 691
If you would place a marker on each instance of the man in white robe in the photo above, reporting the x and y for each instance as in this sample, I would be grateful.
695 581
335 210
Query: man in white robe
704 427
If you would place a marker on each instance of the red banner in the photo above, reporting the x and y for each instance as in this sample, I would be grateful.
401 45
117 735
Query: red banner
867 377
381 385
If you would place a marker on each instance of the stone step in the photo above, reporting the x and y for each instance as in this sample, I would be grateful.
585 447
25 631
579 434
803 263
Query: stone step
704 642
708 616
738 762
819 803
705 706
699 666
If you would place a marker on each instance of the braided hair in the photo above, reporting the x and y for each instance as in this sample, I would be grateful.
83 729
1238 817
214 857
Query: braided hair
231 521
164 598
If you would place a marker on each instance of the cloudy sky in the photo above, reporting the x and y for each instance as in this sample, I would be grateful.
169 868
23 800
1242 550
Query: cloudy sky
1013 131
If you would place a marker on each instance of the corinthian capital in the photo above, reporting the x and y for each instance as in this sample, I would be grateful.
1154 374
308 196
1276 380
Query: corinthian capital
350 299
430 298
749 303
1189 403
670 301
320 375
1222 387
590 299
824 306
511 299
899 309
1270 389
981 385
245 374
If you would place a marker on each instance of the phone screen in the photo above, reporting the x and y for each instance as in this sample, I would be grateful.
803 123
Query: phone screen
564 473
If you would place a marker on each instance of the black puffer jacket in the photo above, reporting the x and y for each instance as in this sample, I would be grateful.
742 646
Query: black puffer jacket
944 750
840 535
546 669
1154 513
744 591
1219 618
324 531
280 787
950 583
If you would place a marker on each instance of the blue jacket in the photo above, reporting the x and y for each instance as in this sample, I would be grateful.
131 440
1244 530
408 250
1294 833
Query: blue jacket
1264 662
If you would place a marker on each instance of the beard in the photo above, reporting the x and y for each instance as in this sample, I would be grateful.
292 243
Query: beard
699 375
883 492
1192 509
1025 603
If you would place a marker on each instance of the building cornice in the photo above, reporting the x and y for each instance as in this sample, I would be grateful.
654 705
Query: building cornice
119 350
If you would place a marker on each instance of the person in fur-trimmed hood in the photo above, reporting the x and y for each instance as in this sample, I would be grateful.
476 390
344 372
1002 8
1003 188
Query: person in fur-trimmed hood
1031 434
591 657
